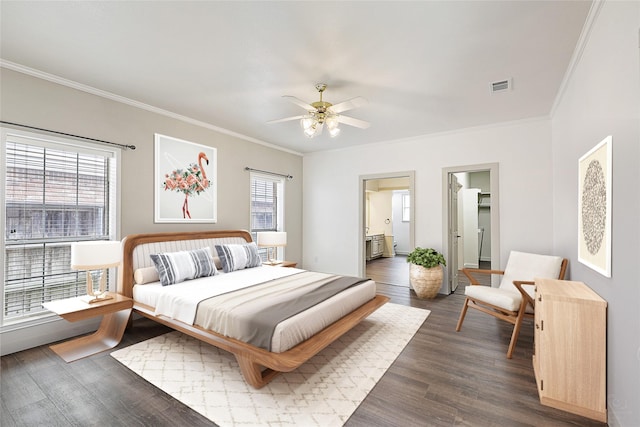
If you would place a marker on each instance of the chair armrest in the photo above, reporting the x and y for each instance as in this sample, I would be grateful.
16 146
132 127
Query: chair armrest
469 271
525 295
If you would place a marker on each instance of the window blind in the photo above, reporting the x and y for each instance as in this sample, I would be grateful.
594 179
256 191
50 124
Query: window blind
55 194
266 206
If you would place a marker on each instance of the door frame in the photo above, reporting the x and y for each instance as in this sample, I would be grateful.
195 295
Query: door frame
495 212
454 243
362 263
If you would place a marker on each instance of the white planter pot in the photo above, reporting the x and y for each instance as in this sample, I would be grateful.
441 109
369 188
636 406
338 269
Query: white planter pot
425 281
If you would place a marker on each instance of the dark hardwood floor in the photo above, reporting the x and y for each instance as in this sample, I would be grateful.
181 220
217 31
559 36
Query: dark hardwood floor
442 378
391 271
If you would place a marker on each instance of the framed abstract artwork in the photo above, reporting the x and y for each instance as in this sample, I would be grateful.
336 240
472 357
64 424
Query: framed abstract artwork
594 208
185 181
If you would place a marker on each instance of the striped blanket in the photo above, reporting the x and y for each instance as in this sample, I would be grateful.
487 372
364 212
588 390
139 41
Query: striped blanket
252 314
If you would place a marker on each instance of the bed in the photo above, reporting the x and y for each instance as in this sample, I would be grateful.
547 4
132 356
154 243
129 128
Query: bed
293 340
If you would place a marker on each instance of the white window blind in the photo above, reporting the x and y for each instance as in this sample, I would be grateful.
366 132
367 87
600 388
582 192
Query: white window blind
267 206
55 193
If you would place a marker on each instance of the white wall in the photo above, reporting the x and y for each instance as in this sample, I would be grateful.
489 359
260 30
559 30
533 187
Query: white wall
602 97
379 212
400 229
330 236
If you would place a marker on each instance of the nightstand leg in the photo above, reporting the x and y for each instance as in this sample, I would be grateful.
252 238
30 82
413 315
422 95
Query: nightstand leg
107 336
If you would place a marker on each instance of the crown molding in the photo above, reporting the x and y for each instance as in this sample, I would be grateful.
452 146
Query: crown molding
594 11
123 100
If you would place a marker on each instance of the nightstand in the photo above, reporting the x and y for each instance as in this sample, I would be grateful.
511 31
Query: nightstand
115 314
283 264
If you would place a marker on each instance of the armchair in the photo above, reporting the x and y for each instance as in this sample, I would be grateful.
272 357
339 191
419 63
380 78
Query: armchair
514 298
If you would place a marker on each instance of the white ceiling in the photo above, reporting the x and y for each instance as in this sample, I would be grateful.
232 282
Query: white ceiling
424 66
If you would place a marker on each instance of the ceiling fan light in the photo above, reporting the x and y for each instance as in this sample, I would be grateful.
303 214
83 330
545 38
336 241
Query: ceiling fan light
332 122
310 131
308 123
321 112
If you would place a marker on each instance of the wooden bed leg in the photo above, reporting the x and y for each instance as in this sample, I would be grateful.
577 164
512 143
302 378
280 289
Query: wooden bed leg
253 374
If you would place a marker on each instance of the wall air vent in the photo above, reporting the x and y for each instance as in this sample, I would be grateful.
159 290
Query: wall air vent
501 86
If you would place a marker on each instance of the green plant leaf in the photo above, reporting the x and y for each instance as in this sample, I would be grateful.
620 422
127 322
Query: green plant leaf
426 257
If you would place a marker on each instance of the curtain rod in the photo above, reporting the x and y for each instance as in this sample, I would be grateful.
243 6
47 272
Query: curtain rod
288 177
126 147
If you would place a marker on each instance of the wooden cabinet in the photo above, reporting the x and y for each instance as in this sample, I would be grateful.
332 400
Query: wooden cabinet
374 246
570 348
377 246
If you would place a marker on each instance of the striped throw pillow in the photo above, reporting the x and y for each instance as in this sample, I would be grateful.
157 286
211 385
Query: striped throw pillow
176 267
237 257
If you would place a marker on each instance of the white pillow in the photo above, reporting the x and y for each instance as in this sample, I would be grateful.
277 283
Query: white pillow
176 267
217 262
146 275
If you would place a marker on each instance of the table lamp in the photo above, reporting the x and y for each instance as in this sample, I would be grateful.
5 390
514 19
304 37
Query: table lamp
272 240
96 255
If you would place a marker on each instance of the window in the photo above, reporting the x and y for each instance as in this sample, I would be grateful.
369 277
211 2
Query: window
55 192
267 207
406 207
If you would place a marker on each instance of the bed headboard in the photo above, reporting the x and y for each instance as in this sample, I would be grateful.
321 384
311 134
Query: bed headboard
136 249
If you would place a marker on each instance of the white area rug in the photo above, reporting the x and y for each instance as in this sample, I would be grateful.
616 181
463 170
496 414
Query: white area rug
325 391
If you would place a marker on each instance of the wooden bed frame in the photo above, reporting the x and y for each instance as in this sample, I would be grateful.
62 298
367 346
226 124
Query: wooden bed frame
258 365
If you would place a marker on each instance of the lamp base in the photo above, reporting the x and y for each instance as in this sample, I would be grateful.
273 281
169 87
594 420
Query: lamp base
90 299
100 295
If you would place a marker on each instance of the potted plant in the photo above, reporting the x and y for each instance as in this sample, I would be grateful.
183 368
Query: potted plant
425 271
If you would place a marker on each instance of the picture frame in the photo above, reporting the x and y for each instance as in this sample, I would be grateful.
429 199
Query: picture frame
594 207
185 181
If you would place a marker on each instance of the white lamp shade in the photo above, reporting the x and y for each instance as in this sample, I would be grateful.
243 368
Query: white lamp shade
95 254
271 238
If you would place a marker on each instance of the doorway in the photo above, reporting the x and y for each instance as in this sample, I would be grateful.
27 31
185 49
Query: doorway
386 224
471 212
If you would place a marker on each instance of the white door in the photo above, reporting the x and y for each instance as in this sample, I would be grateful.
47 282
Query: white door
470 235
454 235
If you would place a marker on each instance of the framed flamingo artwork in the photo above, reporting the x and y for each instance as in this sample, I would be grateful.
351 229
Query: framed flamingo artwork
185 181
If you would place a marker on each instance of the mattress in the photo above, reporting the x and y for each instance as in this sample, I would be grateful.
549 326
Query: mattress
180 302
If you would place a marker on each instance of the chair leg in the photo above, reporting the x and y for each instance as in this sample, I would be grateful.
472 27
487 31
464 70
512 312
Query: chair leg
516 329
462 314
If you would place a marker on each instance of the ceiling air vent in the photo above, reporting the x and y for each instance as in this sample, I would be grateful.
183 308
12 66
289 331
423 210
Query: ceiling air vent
501 86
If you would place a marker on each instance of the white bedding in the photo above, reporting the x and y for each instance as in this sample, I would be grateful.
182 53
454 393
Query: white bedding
180 301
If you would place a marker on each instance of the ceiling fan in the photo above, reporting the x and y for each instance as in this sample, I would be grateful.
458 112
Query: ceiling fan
321 112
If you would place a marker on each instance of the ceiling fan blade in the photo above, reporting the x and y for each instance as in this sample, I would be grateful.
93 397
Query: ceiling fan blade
354 122
300 103
286 119
349 104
